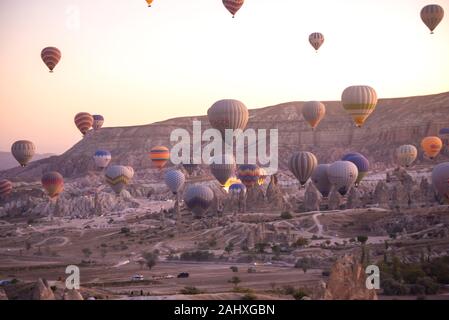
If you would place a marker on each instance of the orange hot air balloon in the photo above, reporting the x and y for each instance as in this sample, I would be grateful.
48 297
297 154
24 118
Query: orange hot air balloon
149 2
432 146
53 183
51 57
159 155
84 121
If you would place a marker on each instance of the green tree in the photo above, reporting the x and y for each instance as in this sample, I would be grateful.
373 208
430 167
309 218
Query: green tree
87 252
260 247
235 281
229 248
151 258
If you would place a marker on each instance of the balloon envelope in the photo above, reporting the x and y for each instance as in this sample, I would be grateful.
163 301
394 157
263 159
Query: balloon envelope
406 155
23 151
359 102
233 5
118 177
198 199
237 189
302 164
102 158
316 39
98 121
159 156
84 122
51 57
432 146
321 180
432 15
53 183
362 165
249 174
313 112
440 179
174 179
222 167
342 175
228 114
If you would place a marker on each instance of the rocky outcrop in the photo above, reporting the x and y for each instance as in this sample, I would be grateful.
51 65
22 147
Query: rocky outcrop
42 291
353 201
335 200
312 198
347 281
72 295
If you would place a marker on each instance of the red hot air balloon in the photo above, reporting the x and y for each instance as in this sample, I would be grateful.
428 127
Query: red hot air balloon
53 183
159 156
84 122
233 5
51 57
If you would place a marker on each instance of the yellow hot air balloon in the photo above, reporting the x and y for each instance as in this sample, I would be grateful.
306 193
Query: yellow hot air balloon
149 2
359 102
431 146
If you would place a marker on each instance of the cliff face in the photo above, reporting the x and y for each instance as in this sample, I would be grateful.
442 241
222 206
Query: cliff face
394 122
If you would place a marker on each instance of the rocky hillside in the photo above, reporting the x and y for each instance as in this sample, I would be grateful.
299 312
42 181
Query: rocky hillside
394 122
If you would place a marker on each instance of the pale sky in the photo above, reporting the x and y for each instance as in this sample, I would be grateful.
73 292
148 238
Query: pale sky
137 65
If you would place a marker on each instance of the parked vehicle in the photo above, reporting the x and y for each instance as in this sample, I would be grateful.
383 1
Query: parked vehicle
183 275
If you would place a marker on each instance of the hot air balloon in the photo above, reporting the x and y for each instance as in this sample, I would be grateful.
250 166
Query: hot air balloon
222 167
84 122
361 163
313 112
230 182
118 177
316 39
174 179
432 146
406 155
342 175
159 155
98 121
236 189
131 171
359 102
23 151
198 199
5 188
249 174
53 183
102 158
233 6
51 57
228 114
350 154
302 164
321 180
149 2
432 15
440 179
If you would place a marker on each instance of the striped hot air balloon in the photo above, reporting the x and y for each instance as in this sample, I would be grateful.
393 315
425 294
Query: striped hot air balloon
432 146
159 156
102 158
362 165
321 180
84 122
316 39
228 114
440 180
313 112
198 199
98 121
233 5
432 15
5 188
249 174
53 183
222 167
51 57
118 177
23 151
342 175
174 179
302 164
406 155
359 102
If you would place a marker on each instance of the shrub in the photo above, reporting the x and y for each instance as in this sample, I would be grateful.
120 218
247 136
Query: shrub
199 255
234 269
249 296
431 287
125 230
299 294
286 215
191 290
392 287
